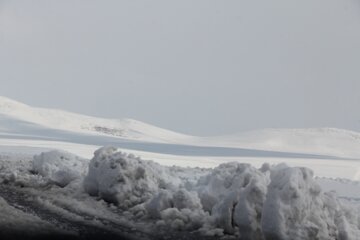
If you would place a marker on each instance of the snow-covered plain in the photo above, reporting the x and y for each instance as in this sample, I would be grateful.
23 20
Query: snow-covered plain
196 186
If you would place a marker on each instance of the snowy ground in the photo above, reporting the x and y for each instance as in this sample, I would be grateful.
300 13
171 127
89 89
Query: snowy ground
182 188
128 198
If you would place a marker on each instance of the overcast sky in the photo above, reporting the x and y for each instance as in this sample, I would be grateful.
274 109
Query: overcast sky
202 67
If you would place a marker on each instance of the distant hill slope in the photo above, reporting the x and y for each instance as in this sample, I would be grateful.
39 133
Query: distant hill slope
63 120
329 141
321 141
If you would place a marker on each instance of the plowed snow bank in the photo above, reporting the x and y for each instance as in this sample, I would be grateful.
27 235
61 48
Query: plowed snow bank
277 202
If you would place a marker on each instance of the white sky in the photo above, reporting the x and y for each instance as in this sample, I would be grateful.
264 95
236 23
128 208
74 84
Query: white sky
202 67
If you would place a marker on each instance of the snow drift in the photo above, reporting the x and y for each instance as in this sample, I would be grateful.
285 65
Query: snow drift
276 202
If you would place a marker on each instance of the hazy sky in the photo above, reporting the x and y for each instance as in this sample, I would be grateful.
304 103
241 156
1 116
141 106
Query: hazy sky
202 67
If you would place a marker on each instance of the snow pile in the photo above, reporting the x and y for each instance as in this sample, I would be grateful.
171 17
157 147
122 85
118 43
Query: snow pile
233 193
276 202
124 179
296 208
59 167
16 169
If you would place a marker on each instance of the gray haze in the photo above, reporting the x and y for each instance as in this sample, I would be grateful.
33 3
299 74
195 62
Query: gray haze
202 67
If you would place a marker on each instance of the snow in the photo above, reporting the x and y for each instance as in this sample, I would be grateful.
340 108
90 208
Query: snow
344 188
14 221
211 186
322 141
35 130
20 121
271 202
59 167
125 179
15 168
295 208
277 202
63 120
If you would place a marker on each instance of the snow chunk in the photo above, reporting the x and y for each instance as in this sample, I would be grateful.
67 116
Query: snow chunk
183 219
296 208
59 167
234 194
125 179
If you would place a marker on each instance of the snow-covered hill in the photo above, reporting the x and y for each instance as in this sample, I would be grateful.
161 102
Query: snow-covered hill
323 141
72 122
19 118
